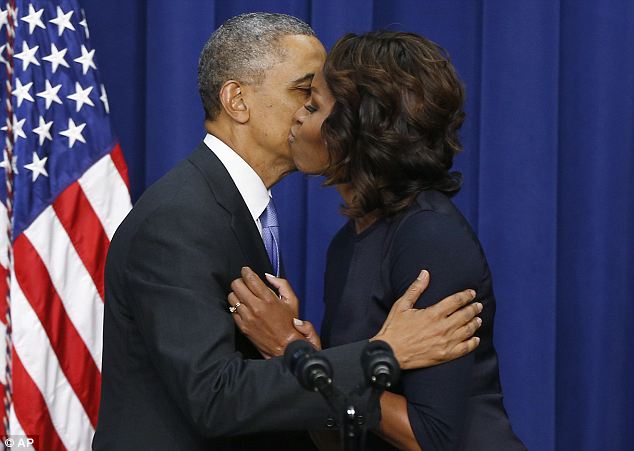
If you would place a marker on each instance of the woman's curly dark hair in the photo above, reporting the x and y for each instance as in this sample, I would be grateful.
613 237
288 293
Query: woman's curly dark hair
393 130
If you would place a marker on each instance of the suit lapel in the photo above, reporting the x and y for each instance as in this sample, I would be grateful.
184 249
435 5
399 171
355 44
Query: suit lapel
228 196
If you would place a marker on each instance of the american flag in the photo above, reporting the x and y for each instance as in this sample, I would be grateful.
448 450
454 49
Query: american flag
64 190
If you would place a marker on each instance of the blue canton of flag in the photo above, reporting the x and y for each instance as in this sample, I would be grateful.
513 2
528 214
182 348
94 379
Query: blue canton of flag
60 122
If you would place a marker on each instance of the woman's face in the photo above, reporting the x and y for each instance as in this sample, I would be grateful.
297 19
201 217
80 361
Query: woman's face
308 149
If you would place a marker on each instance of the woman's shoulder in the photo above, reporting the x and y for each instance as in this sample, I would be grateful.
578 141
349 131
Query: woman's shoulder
434 235
432 213
433 226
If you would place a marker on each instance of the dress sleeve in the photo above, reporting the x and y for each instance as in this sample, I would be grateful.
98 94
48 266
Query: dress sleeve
445 246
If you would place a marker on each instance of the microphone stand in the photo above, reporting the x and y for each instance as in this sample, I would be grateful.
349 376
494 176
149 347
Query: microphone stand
353 432
314 373
344 408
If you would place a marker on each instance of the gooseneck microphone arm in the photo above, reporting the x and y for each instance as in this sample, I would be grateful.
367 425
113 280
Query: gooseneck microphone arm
313 371
381 370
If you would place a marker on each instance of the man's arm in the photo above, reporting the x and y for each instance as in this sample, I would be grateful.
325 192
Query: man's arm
174 274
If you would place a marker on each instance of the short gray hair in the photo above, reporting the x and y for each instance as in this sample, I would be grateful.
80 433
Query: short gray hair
242 49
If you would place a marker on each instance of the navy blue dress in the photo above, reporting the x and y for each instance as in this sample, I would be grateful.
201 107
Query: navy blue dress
453 406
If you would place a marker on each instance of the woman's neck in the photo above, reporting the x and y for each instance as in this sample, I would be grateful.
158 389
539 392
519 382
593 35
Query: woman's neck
347 194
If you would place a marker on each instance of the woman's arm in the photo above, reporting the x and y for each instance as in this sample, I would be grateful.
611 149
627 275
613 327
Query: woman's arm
436 398
395 427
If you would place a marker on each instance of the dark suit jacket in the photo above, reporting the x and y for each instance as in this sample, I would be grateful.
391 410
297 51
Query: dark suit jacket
177 374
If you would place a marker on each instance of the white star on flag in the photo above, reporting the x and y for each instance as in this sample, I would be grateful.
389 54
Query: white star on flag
86 59
17 127
50 94
81 96
73 133
37 166
2 60
22 91
84 24
27 55
56 58
3 17
43 131
104 99
34 19
63 21
4 164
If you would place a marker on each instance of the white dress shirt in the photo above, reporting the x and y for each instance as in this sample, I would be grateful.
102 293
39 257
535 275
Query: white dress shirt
248 182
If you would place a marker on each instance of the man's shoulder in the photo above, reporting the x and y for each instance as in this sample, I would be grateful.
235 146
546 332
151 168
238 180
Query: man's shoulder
183 193
184 184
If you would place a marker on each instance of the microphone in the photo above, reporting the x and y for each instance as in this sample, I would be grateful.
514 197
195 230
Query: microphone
312 370
379 365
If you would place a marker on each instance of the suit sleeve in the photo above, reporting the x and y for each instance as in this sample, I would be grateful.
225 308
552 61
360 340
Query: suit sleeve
176 269
436 396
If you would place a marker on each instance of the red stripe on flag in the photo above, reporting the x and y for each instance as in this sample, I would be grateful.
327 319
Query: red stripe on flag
119 162
31 410
74 357
84 230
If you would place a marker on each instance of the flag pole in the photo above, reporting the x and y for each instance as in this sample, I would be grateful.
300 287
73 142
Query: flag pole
9 141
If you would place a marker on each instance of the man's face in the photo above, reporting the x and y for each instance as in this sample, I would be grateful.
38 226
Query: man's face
286 87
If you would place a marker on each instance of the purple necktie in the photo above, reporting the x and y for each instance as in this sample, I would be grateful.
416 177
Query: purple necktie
270 235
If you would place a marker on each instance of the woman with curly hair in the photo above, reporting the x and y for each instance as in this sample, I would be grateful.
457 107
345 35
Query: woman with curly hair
382 126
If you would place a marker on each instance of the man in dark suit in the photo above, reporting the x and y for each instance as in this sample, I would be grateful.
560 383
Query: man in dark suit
177 375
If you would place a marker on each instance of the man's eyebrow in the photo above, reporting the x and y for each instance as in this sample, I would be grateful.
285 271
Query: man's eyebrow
306 78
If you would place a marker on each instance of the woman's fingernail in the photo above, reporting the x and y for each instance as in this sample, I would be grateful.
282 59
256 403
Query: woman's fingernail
423 275
479 306
297 322
472 293
269 275
479 320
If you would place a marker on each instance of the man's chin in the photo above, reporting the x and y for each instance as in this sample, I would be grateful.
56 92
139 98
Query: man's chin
289 171
310 171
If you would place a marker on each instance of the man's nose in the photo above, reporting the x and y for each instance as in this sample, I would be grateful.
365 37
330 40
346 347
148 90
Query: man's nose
300 115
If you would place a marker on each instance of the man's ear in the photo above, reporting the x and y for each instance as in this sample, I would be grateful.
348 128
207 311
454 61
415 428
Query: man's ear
233 102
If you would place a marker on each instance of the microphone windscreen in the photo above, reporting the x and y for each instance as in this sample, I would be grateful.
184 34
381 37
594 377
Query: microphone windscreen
378 357
371 350
378 345
295 352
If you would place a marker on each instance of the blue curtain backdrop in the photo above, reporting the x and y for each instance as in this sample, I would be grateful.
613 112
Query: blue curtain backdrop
548 164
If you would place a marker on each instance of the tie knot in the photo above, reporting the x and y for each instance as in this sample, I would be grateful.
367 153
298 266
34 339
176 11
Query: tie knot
270 235
268 218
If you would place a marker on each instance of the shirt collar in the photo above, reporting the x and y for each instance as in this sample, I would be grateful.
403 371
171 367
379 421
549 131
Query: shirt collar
248 182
